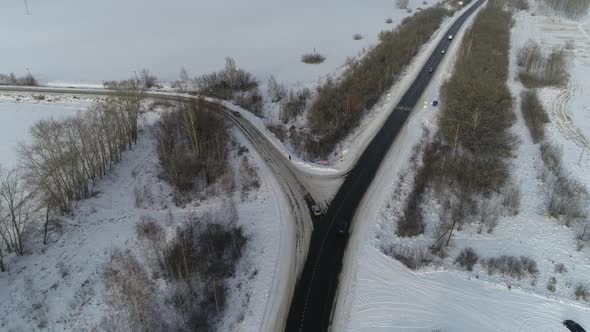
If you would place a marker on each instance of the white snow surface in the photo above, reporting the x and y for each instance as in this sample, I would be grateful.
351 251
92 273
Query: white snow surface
377 293
88 42
60 283
16 119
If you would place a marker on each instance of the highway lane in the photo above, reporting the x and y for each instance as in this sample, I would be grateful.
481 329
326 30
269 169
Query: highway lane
311 307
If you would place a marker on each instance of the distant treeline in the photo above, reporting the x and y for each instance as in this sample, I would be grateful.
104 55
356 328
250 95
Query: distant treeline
11 79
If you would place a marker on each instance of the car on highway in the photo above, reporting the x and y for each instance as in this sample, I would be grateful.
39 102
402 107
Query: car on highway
341 228
316 210
236 114
430 70
443 51
450 37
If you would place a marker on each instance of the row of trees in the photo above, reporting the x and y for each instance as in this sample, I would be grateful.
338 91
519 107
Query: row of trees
63 161
341 103
466 162
66 157
11 79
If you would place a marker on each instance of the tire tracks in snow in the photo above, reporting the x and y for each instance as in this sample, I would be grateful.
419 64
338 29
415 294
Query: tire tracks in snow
563 117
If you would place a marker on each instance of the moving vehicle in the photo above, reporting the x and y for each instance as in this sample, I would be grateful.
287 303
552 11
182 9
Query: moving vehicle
443 51
450 37
430 70
316 210
341 228
236 114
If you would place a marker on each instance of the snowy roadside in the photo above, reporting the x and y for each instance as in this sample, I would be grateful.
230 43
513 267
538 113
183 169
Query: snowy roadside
379 293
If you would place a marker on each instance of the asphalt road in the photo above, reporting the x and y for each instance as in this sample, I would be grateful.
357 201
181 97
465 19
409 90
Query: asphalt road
311 307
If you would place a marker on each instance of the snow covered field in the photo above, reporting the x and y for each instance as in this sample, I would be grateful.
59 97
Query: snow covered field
380 294
16 118
91 41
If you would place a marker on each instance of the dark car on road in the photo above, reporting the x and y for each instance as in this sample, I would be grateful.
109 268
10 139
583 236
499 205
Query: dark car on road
236 114
341 228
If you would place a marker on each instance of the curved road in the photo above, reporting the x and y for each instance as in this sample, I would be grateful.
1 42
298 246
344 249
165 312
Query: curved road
311 307
288 177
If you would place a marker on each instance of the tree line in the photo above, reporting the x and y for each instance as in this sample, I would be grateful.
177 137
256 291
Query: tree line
466 161
340 103
11 79
63 161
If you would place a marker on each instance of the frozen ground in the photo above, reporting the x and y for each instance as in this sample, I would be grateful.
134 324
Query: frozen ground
59 285
70 41
16 118
380 294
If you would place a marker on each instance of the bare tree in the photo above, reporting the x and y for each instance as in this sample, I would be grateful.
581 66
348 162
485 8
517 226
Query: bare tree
147 79
66 157
17 206
183 84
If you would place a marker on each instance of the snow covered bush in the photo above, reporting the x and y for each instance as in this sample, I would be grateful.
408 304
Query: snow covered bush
582 292
131 294
250 181
198 260
551 284
540 70
412 257
510 266
560 268
313 58
192 147
402 4
511 199
467 258
224 84
251 101
148 80
276 91
534 114
294 105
